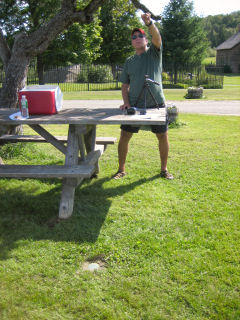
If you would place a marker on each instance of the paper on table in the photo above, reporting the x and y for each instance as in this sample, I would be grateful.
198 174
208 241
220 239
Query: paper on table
146 116
17 116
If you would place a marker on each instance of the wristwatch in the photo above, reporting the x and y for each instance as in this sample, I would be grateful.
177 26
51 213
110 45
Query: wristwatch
150 23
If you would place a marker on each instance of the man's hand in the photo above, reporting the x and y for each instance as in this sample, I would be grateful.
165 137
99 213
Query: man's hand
156 37
125 106
146 17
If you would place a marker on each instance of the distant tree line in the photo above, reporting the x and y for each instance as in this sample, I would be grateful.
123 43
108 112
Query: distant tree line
221 27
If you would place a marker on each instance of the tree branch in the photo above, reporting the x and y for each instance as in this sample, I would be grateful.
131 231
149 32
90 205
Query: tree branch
86 15
92 7
39 40
140 6
5 52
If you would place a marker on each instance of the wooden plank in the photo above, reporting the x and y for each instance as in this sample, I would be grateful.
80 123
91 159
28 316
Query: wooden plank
22 138
88 116
43 171
69 185
67 199
34 138
93 156
105 140
81 146
72 146
91 160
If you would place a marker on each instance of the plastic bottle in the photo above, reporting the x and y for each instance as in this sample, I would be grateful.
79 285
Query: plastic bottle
24 107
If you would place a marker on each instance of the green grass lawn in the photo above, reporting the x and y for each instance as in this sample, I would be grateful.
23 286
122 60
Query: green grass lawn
230 91
232 80
169 249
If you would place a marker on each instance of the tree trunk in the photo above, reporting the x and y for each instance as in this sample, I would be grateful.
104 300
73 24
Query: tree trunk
175 74
40 69
14 81
15 78
16 73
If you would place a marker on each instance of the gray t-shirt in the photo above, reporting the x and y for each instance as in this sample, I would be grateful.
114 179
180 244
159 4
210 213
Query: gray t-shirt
136 67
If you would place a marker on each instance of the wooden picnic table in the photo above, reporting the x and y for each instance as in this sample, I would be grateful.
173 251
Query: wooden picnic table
81 152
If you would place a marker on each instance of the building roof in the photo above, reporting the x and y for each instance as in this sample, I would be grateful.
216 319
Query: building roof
230 42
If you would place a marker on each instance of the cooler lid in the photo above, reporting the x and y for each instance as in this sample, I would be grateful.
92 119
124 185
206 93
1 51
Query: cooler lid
40 87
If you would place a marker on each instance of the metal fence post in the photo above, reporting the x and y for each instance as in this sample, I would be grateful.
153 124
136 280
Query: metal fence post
88 78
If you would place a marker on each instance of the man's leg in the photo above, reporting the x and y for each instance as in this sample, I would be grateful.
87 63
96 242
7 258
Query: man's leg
123 149
126 134
163 146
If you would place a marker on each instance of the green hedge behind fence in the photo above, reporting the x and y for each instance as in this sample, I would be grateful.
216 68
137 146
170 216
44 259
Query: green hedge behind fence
106 77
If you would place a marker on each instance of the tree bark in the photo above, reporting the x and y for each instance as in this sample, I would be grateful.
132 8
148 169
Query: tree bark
15 74
5 52
140 6
40 69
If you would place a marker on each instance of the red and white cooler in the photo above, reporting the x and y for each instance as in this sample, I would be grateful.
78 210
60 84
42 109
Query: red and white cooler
42 99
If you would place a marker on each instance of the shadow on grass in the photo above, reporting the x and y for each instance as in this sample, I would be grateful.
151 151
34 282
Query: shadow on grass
25 216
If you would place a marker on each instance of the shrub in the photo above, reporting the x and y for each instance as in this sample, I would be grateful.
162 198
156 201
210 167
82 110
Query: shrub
173 86
227 69
212 86
82 77
211 52
96 74
165 76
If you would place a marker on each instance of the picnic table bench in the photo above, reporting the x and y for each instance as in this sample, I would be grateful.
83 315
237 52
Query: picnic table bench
11 138
81 148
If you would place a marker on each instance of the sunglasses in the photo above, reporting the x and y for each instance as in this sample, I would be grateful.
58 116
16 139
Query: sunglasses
138 36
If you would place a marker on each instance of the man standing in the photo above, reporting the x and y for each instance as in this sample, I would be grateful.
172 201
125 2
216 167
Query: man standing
146 61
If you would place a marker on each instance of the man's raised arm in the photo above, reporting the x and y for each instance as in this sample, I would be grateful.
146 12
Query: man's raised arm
156 37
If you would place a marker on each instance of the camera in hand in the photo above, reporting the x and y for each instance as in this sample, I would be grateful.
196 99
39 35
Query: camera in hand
134 110
131 110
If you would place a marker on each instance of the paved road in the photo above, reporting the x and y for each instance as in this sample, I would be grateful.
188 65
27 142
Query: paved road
228 107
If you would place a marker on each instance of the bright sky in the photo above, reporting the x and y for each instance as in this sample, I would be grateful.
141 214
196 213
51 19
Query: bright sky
202 8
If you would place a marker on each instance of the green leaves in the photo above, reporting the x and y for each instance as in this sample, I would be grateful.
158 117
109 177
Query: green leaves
184 39
118 18
78 44
221 27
